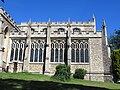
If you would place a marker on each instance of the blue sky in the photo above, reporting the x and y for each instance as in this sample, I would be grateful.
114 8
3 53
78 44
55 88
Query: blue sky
61 10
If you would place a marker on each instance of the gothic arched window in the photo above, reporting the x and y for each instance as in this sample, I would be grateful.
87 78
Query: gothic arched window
76 30
61 30
16 53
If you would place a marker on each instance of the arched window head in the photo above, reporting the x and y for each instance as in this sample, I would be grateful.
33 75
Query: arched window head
52 45
61 30
76 30
45 30
86 45
5 31
72 45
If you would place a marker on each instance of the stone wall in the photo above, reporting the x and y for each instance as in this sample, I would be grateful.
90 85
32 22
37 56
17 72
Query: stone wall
96 60
36 67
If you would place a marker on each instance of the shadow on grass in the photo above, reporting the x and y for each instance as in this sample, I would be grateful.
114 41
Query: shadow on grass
14 84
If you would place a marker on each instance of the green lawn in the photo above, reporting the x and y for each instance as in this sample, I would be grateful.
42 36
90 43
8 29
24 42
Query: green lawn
28 81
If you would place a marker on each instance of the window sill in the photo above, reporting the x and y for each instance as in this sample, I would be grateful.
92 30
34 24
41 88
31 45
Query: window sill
35 62
80 63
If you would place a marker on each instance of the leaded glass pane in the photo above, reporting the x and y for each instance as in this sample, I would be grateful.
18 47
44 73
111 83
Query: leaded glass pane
86 55
73 55
56 55
20 54
32 54
82 55
12 54
61 55
36 55
40 55
16 53
52 55
77 55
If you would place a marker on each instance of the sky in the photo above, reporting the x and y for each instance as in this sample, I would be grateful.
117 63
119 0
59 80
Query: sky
61 10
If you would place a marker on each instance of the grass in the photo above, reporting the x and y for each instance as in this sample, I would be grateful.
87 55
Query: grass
28 81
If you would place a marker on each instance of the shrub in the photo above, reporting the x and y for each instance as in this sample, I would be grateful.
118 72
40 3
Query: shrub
80 73
62 73
115 56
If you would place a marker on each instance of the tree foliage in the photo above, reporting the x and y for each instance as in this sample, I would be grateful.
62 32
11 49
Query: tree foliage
115 56
114 40
62 73
80 73
3 1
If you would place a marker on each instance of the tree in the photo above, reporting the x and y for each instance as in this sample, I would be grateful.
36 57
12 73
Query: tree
115 56
3 1
114 40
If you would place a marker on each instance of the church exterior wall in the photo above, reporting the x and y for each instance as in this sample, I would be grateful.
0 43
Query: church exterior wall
40 47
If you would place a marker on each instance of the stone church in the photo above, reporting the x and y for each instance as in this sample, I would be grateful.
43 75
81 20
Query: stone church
38 47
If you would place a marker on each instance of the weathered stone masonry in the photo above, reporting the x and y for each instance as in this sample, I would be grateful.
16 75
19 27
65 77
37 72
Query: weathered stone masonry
39 47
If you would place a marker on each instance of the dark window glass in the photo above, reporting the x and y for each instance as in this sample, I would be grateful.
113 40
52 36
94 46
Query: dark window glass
82 55
77 55
73 55
20 54
12 54
40 55
86 55
32 54
36 55
16 53
52 55
61 55
56 55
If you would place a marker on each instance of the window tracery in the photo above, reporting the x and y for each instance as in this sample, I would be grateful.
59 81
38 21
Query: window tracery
57 51
17 49
79 52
